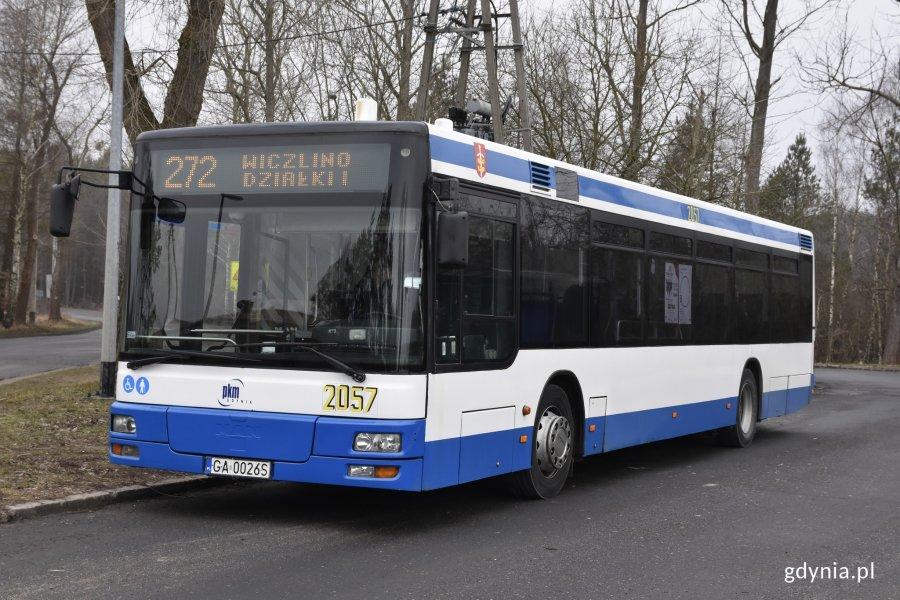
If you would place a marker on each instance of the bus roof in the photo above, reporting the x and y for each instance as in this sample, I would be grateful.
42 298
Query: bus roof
246 129
453 154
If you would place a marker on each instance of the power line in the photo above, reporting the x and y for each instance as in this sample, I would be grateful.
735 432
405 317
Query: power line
228 45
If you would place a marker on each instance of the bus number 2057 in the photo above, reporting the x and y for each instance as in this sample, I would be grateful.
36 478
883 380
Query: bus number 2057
348 398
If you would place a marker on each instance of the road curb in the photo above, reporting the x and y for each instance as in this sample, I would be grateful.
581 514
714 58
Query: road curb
859 367
94 326
91 500
42 373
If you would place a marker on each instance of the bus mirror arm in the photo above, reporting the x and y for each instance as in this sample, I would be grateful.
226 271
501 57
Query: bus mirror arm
64 194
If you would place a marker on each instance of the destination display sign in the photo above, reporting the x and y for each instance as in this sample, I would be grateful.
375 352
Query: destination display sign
287 169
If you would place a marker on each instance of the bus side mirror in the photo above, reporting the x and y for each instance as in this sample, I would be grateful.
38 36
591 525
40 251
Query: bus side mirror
453 240
171 211
62 206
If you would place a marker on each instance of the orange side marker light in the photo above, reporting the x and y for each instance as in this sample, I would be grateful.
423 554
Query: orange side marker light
383 472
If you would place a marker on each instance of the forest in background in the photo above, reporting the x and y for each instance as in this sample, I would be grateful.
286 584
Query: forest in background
674 94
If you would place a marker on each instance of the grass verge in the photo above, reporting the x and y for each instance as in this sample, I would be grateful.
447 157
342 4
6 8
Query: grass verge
42 326
53 437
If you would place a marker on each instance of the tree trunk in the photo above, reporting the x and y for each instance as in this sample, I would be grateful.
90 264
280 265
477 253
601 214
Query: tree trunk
834 246
26 276
404 111
12 242
184 98
760 107
58 279
270 61
891 351
632 167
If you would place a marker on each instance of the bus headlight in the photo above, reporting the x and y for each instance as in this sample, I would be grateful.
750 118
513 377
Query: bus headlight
123 424
377 442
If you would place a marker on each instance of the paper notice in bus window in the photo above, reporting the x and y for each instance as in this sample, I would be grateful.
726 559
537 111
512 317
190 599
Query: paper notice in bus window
685 273
671 292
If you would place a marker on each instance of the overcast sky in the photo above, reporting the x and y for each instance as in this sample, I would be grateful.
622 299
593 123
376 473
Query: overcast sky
794 108
799 109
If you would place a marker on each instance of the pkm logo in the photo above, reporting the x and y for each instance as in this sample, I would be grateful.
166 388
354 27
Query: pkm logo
232 392
480 153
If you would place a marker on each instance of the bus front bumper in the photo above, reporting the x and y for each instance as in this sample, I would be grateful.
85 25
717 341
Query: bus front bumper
300 448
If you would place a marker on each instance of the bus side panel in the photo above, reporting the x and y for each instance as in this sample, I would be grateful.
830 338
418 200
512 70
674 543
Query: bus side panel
648 394
787 380
475 426
799 389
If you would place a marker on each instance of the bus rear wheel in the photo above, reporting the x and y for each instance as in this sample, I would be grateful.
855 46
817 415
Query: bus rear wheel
741 434
552 448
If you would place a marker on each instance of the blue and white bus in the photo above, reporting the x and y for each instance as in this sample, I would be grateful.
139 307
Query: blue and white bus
404 306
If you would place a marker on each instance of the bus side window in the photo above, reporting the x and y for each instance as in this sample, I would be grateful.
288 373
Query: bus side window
751 307
475 316
712 304
447 317
616 283
555 240
488 328
669 302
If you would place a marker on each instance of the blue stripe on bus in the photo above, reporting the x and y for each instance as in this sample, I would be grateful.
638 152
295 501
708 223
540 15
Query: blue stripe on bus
639 427
317 469
460 460
797 398
463 155
622 196
512 167
457 460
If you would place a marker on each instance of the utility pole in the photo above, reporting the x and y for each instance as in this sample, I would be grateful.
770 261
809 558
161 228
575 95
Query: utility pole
109 338
427 59
465 56
490 54
519 54
471 42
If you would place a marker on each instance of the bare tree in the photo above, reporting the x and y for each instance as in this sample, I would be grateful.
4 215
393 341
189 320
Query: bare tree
745 17
845 65
50 70
20 110
184 98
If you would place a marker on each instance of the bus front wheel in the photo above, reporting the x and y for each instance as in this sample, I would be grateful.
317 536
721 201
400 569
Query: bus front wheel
740 435
552 448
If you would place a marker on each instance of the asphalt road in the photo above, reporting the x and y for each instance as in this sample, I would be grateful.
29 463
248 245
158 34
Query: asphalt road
679 519
28 355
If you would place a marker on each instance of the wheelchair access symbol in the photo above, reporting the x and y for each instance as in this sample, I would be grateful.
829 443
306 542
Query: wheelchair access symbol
128 384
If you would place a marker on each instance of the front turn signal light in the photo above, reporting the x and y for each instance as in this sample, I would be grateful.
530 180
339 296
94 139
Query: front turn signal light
386 472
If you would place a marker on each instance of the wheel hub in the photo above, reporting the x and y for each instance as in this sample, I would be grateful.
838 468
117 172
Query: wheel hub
554 441
746 409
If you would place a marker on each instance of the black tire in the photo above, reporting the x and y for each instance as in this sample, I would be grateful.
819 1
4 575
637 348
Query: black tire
741 434
548 472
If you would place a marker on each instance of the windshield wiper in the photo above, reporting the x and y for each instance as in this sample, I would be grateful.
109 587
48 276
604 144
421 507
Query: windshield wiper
357 375
172 354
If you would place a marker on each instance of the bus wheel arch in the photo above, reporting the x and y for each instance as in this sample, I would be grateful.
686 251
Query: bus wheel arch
569 382
753 365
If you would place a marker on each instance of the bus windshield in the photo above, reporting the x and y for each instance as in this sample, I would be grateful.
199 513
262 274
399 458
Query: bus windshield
280 246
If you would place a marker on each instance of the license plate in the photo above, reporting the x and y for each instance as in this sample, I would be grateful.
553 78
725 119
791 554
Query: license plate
239 467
